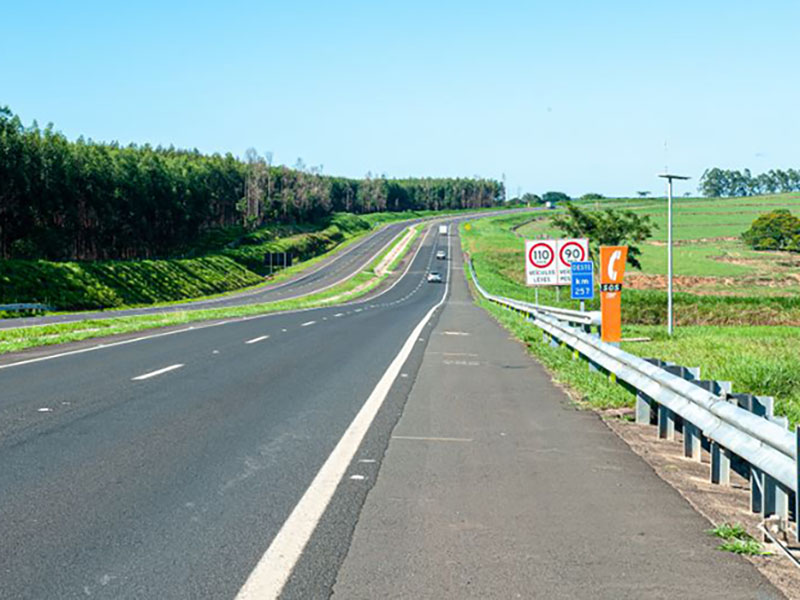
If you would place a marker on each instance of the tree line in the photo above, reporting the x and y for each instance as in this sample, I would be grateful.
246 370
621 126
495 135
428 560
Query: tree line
725 182
84 200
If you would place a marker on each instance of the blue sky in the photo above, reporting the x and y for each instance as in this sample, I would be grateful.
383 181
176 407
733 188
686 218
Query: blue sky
573 95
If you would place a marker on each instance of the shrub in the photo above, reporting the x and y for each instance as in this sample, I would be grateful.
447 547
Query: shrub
776 230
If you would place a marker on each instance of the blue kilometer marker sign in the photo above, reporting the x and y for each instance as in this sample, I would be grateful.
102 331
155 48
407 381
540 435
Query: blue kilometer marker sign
582 287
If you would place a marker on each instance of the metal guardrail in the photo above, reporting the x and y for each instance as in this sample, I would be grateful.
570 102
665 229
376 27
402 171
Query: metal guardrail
753 442
577 317
24 307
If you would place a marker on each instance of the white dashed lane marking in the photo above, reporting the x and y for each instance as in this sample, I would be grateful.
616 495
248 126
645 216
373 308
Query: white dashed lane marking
158 372
258 339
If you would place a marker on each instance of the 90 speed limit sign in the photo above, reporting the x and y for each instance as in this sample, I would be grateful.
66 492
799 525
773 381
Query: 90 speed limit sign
570 251
548 262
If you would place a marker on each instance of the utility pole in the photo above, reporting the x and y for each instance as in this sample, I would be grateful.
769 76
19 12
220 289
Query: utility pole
669 177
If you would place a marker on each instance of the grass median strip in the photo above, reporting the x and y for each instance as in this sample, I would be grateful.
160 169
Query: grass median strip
14 340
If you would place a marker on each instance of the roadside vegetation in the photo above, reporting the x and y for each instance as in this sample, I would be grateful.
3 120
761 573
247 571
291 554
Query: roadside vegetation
748 334
94 225
15 340
224 260
737 540
64 200
776 230
591 388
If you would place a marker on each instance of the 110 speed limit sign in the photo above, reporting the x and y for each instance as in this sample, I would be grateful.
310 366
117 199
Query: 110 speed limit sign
549 262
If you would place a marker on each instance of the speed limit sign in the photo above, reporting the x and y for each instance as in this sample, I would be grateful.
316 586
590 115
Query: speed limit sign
540 262
549 262
570 251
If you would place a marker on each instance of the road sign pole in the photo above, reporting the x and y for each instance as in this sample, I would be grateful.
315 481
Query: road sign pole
583 305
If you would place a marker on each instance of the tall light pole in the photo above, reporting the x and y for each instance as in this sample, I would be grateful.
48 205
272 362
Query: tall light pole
669 177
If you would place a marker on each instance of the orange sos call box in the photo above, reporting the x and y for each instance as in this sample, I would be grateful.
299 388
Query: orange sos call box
612 269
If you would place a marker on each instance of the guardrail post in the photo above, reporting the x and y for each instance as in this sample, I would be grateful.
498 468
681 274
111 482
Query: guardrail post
716 387
776 499
748 402
756 489
692 444
554 341
768 402
797 484
666 423
644 408
720 464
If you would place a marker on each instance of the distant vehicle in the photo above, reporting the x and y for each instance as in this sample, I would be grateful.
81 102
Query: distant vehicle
434 277
442 229
441 254
550 204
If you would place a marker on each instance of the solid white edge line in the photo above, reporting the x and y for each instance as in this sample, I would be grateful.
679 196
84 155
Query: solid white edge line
258 339
268 578
158 372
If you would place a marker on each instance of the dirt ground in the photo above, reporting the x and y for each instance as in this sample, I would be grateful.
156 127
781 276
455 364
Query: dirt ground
719 504
711 285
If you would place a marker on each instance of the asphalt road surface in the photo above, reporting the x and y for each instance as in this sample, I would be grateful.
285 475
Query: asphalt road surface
163 468
391 448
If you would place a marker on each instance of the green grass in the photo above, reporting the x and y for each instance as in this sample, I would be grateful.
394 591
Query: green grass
751 341
592 387
737 540
698 218
221 262
116 284
759 360
14 340
707 234
498 255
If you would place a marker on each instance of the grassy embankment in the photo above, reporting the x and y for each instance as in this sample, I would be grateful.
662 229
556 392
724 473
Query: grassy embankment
221 262
749 337
14 340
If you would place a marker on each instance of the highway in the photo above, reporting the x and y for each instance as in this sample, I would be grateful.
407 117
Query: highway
163 468
397 447
331 270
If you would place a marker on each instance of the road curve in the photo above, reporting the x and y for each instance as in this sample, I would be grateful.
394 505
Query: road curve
329 271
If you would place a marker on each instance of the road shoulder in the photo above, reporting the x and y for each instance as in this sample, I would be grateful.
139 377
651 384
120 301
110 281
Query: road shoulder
494 486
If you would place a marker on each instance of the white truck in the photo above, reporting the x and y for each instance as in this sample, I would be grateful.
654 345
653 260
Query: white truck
442 229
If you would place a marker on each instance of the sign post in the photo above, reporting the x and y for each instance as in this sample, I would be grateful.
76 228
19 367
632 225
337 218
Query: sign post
612 270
